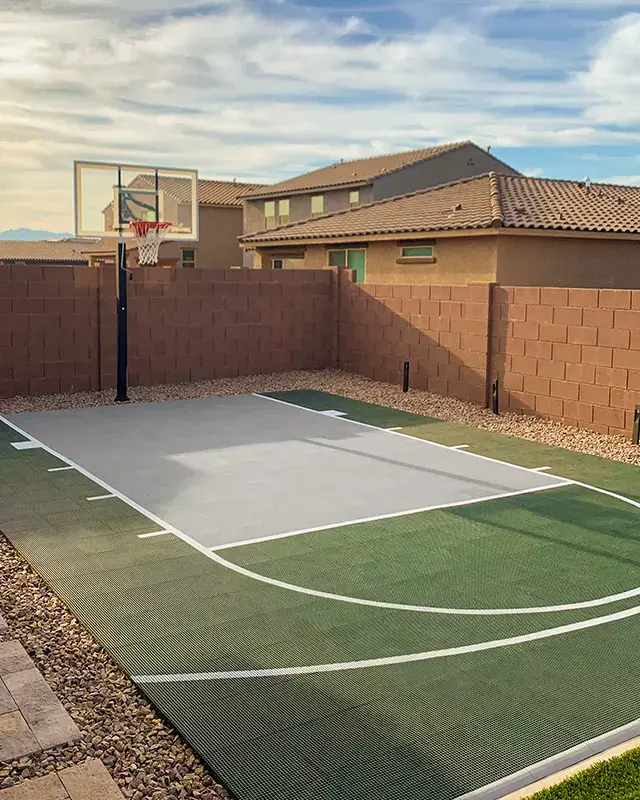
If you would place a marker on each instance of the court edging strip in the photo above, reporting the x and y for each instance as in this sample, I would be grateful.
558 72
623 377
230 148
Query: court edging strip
554 764
492 791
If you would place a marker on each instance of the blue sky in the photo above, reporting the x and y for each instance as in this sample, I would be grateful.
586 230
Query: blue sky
265 89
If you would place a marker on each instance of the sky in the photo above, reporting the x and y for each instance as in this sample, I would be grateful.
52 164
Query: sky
261 90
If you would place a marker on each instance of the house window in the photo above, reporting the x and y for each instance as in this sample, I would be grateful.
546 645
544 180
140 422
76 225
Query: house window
270 214
317 205
188 258
276 263
352 259
354 198
284 206
417 252
337 258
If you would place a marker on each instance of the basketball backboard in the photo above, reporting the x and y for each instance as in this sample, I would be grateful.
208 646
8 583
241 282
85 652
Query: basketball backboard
107 197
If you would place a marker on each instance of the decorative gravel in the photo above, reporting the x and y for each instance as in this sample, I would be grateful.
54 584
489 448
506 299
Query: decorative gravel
357 388
146 757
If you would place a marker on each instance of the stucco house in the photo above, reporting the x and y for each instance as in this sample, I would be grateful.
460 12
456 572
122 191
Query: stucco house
351 184
500 228
220 223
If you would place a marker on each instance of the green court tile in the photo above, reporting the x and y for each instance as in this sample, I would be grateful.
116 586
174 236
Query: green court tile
378 416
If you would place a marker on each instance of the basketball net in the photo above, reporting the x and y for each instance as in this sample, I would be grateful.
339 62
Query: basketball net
149 236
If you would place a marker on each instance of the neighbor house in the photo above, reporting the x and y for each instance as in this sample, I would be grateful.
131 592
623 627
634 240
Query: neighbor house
351 184
220 222
490 228
56 252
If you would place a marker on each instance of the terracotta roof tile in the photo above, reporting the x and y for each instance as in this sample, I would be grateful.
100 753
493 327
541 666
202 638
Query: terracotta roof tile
359 171
71 251
210 192
484 201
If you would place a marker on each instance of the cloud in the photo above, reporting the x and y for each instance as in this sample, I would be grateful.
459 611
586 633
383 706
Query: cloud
236 92
623 180
613 79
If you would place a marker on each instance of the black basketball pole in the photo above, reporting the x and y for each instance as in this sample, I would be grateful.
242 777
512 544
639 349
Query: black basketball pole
122 346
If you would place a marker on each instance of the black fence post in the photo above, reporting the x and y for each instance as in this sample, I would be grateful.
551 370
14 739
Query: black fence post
495 396
405 379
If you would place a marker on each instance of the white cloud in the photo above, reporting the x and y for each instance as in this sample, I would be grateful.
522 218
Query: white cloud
613 79
623 180
238 94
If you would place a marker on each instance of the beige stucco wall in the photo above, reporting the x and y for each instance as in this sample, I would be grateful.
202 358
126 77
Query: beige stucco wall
462 163
557 261
300 206
459 260
218 247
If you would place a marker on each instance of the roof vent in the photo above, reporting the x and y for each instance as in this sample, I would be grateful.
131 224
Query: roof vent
521 210
488 148
458 207
621 201
587 185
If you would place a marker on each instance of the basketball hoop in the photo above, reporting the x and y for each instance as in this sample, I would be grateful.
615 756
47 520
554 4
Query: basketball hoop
149 236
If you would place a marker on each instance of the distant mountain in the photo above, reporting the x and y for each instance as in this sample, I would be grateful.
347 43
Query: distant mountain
29 235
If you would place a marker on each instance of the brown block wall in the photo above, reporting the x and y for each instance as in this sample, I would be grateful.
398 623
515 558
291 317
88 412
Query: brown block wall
441 330
49 332
57 326
189 325
572 355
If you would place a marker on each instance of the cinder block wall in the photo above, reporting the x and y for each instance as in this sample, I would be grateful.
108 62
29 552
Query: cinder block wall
49 329
572 355
442 330
57 325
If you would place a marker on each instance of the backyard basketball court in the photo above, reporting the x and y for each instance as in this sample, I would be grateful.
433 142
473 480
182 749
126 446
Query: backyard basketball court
327 608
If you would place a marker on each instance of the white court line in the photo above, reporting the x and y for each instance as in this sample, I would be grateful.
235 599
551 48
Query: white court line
101 497
30 445
394 514
469 453
541 469
206 552
59 469
150 535
459 447
466 612
391 429
390 660
333 413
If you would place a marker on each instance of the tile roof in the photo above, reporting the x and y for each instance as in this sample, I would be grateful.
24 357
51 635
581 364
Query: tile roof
359 171
484 201
210 192
70 251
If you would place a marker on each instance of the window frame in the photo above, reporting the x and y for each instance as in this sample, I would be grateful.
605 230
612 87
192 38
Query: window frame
188 263
320 197
417 244
357 203
284 219
279 261
270 219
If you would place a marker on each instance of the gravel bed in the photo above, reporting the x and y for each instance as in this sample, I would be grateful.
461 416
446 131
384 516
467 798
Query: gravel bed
358 388
145 756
